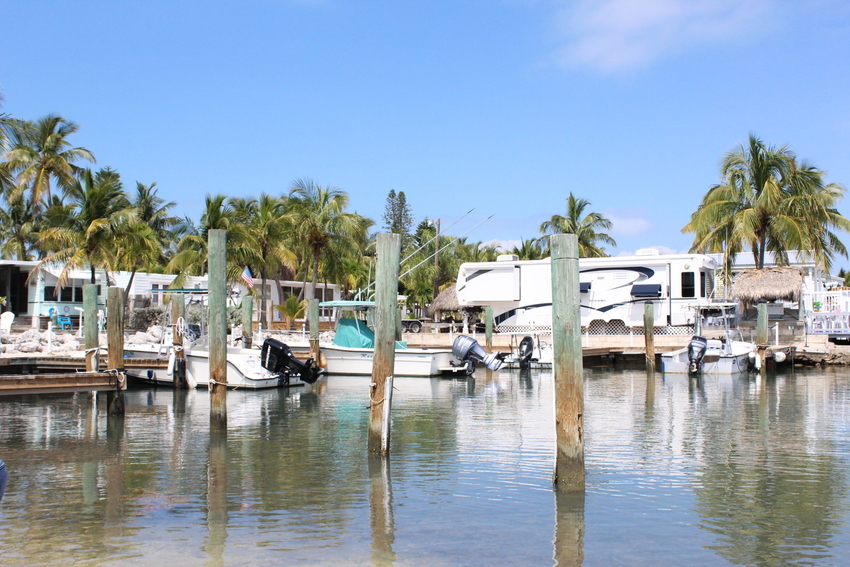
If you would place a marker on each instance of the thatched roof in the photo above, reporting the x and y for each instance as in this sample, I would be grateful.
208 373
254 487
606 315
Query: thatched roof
446 301
770 284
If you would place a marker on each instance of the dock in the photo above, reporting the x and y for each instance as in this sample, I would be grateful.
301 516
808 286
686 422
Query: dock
65 382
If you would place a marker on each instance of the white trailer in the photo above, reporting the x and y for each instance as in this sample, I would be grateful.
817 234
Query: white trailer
613 290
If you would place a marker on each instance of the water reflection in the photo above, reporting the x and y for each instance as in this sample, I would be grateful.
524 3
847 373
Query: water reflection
722 470
381 511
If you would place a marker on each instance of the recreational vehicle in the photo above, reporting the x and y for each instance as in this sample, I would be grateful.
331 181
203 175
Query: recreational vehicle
613 291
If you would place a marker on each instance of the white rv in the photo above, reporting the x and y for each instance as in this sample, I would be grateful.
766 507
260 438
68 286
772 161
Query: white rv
613 291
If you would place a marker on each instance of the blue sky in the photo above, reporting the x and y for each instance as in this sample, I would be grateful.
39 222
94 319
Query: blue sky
504 106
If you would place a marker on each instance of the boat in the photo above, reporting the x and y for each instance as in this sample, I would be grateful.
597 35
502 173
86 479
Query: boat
353 349
710 356
272 366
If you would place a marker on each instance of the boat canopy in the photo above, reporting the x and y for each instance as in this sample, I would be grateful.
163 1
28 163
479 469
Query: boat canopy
347 303
354 333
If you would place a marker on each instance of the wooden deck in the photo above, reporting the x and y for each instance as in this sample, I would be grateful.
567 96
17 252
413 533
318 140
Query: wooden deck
15 384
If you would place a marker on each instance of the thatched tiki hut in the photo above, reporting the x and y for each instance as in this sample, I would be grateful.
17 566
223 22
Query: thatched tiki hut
770 284
445 301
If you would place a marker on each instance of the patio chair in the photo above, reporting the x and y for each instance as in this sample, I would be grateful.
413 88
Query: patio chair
65 321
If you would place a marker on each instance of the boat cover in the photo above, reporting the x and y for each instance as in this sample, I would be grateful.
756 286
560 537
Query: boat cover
354 333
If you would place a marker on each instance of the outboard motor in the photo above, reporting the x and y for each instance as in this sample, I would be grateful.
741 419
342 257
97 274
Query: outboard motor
277 357
696 350
526 349
468 350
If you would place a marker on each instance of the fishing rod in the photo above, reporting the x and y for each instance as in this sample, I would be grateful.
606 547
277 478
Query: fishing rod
435 236
455 241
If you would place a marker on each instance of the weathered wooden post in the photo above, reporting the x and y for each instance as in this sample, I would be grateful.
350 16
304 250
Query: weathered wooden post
383 364
568 367
313 321
761 336
488 328
217 268
761 323
115 344
178 312
247 321
89 323
649 335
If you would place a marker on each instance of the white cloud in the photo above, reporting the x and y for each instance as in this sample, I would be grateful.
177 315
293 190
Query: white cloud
627 222
616 35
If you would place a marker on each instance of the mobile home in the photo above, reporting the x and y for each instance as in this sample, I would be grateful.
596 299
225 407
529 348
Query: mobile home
613 291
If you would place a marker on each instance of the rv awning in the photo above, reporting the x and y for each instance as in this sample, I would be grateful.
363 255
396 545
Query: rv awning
584 287
646 290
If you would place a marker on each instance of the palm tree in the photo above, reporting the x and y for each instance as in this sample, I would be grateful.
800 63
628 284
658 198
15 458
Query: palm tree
321 226
528 249
40 152
269 232
151 210
95 228
768 202
192 252
586 228
18 228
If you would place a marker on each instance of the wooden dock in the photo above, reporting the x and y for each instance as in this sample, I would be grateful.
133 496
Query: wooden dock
66 382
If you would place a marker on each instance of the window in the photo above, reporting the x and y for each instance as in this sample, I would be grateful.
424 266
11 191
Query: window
688 284
154 294
646 290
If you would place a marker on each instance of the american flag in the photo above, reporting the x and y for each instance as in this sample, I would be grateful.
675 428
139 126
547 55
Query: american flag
246 277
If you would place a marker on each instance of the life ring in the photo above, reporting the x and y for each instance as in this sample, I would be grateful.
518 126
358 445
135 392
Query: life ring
66 309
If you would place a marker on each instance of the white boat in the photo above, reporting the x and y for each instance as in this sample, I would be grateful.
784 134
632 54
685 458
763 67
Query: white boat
352 352
245 367
353 348
709 356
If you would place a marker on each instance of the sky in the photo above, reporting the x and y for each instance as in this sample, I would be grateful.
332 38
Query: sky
501 107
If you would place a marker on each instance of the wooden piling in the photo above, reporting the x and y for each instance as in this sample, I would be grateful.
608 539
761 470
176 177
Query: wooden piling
567 368
247 321
217 269
89 323
178 312
761 323
649 334
383 363
313 321
115 344
488 328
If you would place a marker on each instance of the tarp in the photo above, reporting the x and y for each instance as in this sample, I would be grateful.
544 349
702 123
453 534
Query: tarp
354 333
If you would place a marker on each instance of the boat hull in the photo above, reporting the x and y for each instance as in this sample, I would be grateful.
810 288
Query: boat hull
244 369
408 362
716 360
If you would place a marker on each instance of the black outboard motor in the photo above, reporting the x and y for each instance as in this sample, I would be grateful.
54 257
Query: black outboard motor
468 350
526 348
696 350
277 357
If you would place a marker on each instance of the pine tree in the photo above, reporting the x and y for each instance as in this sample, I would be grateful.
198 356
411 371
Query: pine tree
398 217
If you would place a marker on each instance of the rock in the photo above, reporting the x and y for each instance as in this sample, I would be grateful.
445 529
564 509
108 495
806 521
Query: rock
30 335
29 346
141 338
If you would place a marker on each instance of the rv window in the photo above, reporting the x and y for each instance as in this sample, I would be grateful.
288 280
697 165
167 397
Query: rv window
702 285
584 287
646 290
688 287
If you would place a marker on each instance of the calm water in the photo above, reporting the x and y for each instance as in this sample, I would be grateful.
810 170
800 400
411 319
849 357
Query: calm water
727 471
